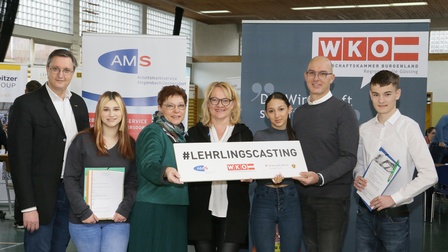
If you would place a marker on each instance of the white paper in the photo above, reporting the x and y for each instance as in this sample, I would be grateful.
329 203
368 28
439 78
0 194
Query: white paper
239 160
379 174
104 191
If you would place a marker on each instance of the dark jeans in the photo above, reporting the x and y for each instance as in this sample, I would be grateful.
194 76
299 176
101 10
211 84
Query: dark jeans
55 236
273 206
381 233
324 223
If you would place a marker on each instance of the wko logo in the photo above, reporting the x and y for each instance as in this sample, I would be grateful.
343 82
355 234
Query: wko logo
240 167
393 48
124 61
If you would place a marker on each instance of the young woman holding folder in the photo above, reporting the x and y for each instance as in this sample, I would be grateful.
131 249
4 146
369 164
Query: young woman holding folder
106 145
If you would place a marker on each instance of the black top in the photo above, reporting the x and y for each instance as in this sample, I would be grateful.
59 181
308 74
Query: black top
199 217
3 139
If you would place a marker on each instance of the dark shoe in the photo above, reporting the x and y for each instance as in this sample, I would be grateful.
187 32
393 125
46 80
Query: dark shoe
19 226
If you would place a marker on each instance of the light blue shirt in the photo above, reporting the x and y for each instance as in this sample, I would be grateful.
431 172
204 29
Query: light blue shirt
441 130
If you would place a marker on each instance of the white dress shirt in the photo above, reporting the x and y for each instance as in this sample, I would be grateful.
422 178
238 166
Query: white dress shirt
321 100
65 112
401 137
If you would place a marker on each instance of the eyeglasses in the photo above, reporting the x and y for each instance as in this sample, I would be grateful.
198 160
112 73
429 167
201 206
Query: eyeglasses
171 106
224 101
320 75
65 71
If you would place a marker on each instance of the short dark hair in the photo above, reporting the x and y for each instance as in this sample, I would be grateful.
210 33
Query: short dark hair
428 130
384 78
168 91
32 85
62 53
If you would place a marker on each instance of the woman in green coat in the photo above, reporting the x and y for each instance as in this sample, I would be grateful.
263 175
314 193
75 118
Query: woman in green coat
159 217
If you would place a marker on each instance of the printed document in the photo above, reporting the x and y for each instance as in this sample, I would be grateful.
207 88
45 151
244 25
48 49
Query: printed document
379 174
103 190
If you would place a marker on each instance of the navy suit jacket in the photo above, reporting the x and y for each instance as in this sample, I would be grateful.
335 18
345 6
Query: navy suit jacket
36 149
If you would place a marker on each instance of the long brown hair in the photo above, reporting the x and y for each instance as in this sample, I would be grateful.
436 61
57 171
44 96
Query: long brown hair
125 146
281 96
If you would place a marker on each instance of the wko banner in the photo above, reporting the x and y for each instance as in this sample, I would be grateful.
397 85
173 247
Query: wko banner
355 54
276 55
137 67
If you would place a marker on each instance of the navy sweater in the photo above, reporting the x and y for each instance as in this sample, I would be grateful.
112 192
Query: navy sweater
328 133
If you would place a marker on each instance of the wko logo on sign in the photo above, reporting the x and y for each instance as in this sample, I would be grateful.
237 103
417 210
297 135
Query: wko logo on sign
240 167
393 48
124 61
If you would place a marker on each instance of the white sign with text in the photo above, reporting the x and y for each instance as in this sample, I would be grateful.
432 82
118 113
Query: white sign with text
239 160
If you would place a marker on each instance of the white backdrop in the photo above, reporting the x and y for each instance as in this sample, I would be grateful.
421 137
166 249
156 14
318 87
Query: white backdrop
137 67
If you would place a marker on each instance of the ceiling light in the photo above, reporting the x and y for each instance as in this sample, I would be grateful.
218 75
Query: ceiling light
409 4
373 5
360 6
214 11
308 8
340 7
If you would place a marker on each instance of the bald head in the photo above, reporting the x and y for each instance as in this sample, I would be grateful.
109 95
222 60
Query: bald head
322 61
319 76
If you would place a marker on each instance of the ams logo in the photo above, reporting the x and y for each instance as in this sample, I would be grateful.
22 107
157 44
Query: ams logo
124 61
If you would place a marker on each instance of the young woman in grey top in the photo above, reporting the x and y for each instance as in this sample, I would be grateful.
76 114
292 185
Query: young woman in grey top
276 201
107 144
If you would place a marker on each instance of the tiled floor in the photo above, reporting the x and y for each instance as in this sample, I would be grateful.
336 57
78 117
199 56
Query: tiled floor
11 239
435 234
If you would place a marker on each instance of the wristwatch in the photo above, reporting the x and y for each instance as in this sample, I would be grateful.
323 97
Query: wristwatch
321 180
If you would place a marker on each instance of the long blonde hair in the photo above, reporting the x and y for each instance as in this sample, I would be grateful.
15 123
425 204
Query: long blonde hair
230 93
124 139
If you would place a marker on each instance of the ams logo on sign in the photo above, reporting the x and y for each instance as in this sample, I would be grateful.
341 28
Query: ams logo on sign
124 61
369 48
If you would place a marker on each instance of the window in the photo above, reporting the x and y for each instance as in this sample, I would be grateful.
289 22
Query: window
438 42
42 51
162 23
18 50
109 16
46 14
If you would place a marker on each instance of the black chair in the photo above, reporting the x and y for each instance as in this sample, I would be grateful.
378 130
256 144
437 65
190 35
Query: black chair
441 189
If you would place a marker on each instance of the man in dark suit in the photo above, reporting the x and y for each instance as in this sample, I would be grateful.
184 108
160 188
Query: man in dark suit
41 129
31 86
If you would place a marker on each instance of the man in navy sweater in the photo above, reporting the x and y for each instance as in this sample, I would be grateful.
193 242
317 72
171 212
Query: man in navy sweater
327 129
